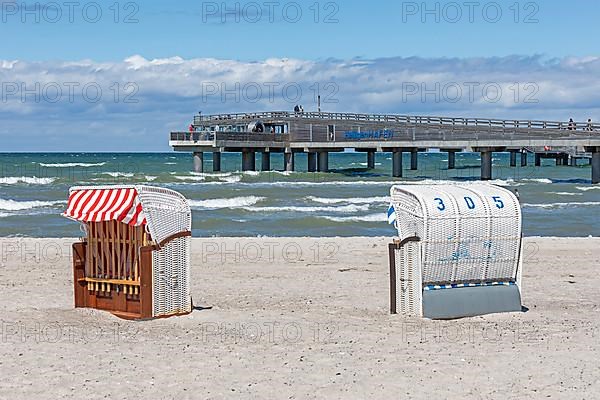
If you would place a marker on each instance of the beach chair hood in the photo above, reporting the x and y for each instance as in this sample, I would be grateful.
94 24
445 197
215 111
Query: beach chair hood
163 212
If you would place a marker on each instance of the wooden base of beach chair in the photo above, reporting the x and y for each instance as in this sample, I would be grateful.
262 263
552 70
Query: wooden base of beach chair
127 292
125 298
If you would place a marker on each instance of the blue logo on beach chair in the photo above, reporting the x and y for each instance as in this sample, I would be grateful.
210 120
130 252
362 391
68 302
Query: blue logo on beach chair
391 214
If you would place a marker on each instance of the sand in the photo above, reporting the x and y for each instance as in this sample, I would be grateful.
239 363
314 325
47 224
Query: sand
298 318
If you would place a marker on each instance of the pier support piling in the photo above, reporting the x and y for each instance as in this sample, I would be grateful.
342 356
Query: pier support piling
312 162
248 161
216 161
524 159
513 158
538 160
573 161
371 160
199 162
596 166
323 161
414 160
288 160
451 160
486 165
265 161
397 164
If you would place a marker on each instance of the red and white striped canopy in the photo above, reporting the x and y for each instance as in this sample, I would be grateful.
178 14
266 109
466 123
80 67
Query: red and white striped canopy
103 204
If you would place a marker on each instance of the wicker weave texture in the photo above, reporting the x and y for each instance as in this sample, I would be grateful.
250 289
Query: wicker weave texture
408 280
469 233
171 278
167 211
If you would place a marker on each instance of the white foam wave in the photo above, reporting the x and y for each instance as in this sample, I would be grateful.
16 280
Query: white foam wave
119 174
211 174
538 180
170 163
30 180
150 178
190 178
2 215
353 200
235 202
381 217
586 188
364 164
567 194
563 205
231 179
341 209
67 165
13 205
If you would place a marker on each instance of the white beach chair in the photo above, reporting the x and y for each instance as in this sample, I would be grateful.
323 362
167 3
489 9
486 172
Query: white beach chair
458 252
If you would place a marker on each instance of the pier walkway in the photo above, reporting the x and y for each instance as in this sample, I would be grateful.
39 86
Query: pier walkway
319 133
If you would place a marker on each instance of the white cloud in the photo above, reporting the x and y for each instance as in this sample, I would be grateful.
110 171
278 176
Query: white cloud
143 99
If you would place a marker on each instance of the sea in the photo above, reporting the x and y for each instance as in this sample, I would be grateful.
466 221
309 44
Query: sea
351 200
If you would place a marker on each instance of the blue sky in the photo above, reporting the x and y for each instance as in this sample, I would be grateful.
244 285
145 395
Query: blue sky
376 56
345 29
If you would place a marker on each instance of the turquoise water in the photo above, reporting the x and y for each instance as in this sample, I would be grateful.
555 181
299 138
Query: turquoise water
350 201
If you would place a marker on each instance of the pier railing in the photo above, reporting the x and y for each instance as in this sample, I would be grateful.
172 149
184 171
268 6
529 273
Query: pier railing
402 119
201 136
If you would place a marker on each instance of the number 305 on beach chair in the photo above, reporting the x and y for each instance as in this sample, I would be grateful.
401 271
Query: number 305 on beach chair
135 258
458 253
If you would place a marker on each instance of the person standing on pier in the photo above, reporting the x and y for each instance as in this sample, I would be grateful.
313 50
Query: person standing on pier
589 126
571 125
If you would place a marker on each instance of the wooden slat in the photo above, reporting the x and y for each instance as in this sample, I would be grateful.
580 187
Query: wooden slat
110 281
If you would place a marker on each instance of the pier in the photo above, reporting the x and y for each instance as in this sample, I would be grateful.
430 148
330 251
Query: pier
319 133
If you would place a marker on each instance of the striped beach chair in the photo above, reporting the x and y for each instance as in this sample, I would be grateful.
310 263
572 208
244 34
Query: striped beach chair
134 260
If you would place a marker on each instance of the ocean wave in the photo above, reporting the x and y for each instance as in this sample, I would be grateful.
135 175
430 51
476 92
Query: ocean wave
353 200
2 215
231 179
119 174
190 178
364 164
586 188
30 180
211 174
567 193
13 205
67 165
537 180
563 205
235 202
381 217
150 178
340 209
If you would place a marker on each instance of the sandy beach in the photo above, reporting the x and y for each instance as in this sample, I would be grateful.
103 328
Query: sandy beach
295 319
